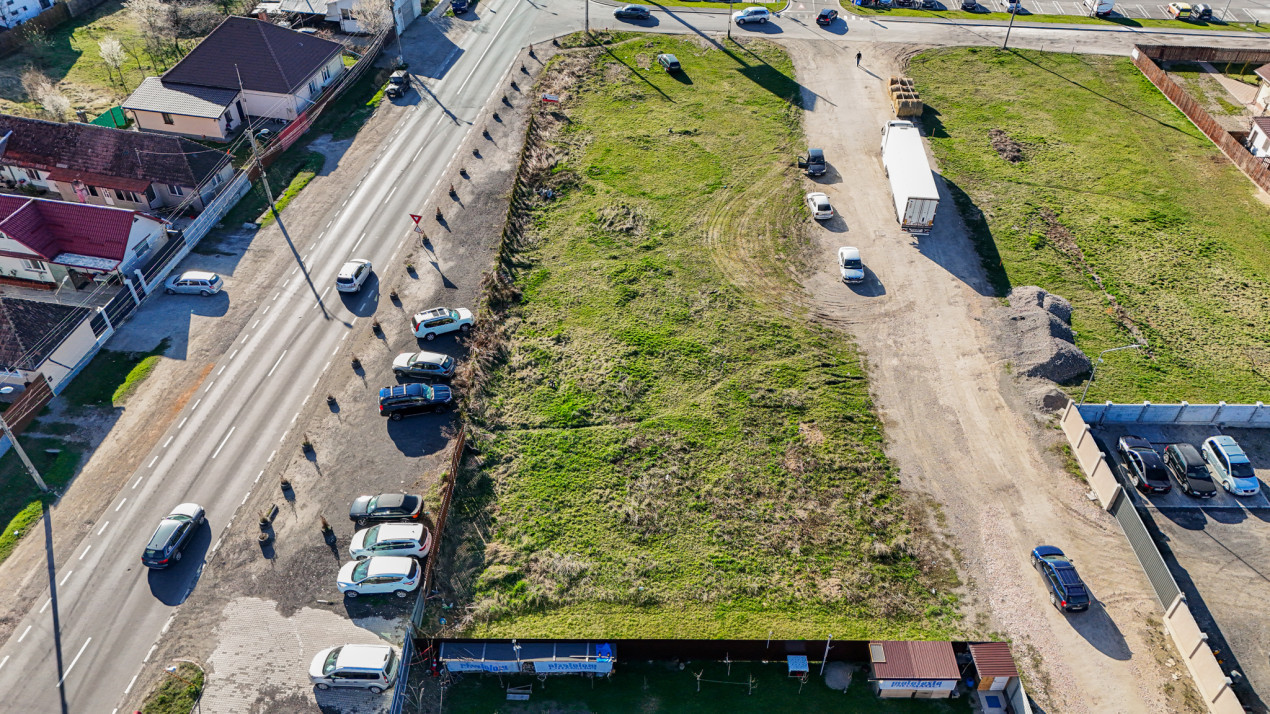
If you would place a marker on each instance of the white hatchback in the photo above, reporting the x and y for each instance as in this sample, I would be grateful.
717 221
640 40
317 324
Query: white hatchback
818 204
372 667
352 276
378 575
401 539
850 265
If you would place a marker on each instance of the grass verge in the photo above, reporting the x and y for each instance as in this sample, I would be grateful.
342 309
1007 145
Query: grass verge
176 694
1119 204
112 376
21 502
309 164
669 453
1053 19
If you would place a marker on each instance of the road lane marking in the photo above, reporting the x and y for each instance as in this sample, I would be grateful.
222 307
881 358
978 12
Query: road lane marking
305 259
266 312
222 443
178 426
235 354
275 364
4 661
65 577
156 458
25 632
285 283
306 398
196 403
359 241
324 292
81 555
328 365
275 296
218 542
221 371
120 505
245 498
345 337
168 624
103 527
169 441
328 223
137 482
134 681
209 387
337 347
297 414
262 473
390 193
253 326
45 605
153 647
272 454
67 673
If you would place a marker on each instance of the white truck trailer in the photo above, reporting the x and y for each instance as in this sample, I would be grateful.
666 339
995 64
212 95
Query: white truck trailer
912 185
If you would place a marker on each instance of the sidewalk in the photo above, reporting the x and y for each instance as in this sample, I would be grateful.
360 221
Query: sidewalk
1245 94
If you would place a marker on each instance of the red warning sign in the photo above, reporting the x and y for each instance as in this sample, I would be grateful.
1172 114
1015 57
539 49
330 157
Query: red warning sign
415 218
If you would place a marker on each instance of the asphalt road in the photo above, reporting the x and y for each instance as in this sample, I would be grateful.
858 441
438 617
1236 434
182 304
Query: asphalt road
80 648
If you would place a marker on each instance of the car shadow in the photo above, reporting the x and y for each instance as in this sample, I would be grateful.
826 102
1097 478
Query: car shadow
364 302
1099 630
837 27
763 28
419 435
837 224
871 287
681 77
172 585
384 606
648 22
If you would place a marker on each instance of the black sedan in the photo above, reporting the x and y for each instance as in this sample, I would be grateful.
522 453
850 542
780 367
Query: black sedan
826 17
1187 467
1143 465
405 400
632 12
386 508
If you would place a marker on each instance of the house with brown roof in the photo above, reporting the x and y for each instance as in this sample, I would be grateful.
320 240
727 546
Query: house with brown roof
244 68
913 670
85 163
45 243
42 338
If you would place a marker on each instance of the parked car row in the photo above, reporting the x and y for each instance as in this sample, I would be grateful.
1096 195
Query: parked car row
1219 460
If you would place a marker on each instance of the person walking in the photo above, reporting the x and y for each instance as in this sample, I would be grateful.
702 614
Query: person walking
858 56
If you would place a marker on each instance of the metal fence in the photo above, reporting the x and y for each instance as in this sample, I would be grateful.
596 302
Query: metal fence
402 691
447 495
1144 548
1183 413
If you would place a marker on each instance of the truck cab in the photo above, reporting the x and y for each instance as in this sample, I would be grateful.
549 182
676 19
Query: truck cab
813 163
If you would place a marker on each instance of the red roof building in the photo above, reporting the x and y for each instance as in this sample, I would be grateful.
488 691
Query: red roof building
91 239
923 670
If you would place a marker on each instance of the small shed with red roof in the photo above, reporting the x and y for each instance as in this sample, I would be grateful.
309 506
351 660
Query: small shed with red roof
916 670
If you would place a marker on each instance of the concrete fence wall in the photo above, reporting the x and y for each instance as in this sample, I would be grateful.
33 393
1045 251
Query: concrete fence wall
1179 622
1221 413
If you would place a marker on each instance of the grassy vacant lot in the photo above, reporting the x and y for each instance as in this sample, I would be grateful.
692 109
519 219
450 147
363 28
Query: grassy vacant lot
662 687
1114 183
176 694
21 502
1060 19
665 454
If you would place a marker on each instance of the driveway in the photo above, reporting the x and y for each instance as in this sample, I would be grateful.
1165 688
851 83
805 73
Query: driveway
964 440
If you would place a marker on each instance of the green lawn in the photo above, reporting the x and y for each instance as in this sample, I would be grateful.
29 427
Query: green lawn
176 694
112 376
669 451
1063 19
1116 183
640 687
21 502
1204 88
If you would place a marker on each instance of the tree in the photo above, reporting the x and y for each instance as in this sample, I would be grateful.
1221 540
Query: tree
373 16
113 55
156 21
43 92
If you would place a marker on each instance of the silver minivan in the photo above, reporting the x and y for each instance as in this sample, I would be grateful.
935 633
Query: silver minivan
372 667
194 282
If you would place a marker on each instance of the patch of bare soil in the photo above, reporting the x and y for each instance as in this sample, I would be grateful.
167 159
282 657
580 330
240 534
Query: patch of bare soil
1007 148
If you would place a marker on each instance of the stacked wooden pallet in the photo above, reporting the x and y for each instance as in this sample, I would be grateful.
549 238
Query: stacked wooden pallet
904 97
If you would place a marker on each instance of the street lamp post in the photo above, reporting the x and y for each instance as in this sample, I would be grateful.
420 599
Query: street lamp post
1094 371
1005 44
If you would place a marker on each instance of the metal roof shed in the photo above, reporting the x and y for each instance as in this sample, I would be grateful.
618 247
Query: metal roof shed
921 670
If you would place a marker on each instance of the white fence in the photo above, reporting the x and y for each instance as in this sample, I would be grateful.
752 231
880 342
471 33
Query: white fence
1221 413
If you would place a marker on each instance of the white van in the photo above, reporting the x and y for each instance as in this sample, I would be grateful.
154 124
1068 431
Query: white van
372 667
1100 8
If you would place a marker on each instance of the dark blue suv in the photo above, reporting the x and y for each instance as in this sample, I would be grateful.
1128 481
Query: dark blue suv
1067 590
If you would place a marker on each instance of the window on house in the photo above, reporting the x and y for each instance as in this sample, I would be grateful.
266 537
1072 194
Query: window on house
127 196
33 174
326 73
45 4
216 179
92 191
313 87
346 14
142 247
34 265
167 118
176 190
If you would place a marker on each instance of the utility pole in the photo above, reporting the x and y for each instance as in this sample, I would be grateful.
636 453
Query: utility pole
30 467
1094 371
1005 45
255 150
586 13
729 19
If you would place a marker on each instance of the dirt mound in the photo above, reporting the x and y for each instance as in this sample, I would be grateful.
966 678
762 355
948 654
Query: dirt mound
1038 336
1008 148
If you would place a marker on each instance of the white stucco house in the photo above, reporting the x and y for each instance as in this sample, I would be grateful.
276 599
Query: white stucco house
1258 141
43 339
244 68
341 11
16 12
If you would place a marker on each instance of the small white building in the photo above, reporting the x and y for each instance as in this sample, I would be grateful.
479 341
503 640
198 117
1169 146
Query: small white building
1262 102
245 68
16 12
341 11
1258 141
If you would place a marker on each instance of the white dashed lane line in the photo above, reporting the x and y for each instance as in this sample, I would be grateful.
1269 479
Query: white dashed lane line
25 632
235 354
208 388
153 647
120 505
221 371
178 426
134 681
45 606
4 661
81 555
169 441
67 673
275 364
65 577
103 527
196 403
152 461
137 482
253 326
222 443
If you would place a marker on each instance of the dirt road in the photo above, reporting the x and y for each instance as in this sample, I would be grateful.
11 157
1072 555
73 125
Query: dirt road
956 427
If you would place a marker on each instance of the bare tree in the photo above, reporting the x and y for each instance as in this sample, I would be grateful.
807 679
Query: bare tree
156 21
113 55
37 40
373 16
43 92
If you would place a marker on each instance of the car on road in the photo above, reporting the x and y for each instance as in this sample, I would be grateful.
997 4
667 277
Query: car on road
372 667
819 205
632 12
194 282
1178 10
172 535
458 7
423 364
378 575
410 540
751 14
353 275
1012 6
440 320
814 162
398 83
386 508
1142 465
1187 468
826 17
1067 591
669 62
850 265
1230 465
405 400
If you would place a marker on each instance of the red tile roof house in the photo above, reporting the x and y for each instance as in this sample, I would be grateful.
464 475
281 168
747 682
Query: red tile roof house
45 242
111 167
282 73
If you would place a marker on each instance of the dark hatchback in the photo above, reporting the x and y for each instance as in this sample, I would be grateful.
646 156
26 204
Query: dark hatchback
826 17
1067 590
632 12
1143 465
385 508
407 399
170 537
1187 468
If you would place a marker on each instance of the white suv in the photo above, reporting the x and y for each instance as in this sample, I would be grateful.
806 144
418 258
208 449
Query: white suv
352 276
378 575
751 14
372 667
440 320
403 539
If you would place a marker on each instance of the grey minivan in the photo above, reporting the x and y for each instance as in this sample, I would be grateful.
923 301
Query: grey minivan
194 282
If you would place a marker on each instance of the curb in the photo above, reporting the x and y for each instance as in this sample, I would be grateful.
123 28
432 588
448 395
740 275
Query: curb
1079 27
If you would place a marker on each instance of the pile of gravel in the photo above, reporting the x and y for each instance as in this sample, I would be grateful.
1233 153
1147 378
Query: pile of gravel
1039 338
